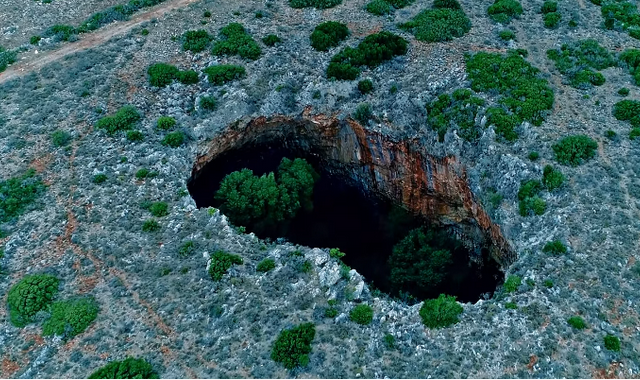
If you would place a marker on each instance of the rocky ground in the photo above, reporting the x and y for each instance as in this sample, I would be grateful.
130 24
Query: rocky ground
89 235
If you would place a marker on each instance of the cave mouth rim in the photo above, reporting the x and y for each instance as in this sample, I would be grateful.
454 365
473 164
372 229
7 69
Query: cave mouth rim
294 152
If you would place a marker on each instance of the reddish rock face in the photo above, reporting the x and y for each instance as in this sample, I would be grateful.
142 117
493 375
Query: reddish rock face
433 187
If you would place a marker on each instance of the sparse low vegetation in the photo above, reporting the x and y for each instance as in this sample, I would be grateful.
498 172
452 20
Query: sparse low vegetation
7 57
319 4
529 201
271 40
162 75
458 110
266 265
512 284
17 193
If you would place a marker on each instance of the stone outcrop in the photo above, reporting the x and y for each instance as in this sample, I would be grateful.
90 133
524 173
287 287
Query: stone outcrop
401 171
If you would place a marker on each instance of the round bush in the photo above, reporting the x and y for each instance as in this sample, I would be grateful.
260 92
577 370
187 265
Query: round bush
575 150
293 346
328 34
361 314
174 139
365 86
30 295
70 318
166 123
379 7
612 343
161 74
440 312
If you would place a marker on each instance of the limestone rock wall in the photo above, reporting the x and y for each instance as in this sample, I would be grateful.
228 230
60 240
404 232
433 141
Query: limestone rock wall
433 187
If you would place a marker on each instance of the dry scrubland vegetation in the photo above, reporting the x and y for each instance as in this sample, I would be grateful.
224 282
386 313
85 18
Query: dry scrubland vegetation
109 270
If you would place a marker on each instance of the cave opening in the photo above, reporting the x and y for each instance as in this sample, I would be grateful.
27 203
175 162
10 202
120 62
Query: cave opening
346 217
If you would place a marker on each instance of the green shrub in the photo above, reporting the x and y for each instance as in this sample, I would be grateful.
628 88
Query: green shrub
440 24
523 93
144 32
335 253
293 346
166 123
503 11
555 247
236 41
161 74
612 343
60 138
129 368
575 150
143 173
186 249
187 77
507 35
249 199
458 110
505 123
328 34
621 15
99 178
363 113
365 86
548 283
448 4
623 91
552 178
60 32
150 225
70 318
512 283
208 103
221 74
220 264
628 110
577 323
529 201
389 341
174 139
330 312
135 136
631 59
271 40
549 6
576 61
511 305
379 7
159 209
634 134
34 40
420 262
533 156
266 265
124 119
195 40
30 295
529 189
552 20
17 193
440 312
319 4
361 314
371 52
610 134
7 57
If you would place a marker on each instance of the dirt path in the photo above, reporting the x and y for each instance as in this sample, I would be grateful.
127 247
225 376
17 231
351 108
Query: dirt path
89 40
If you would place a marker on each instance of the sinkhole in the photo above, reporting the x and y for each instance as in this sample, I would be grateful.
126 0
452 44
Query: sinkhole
371 193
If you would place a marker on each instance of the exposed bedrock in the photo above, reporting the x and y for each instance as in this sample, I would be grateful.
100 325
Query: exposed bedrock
435 188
